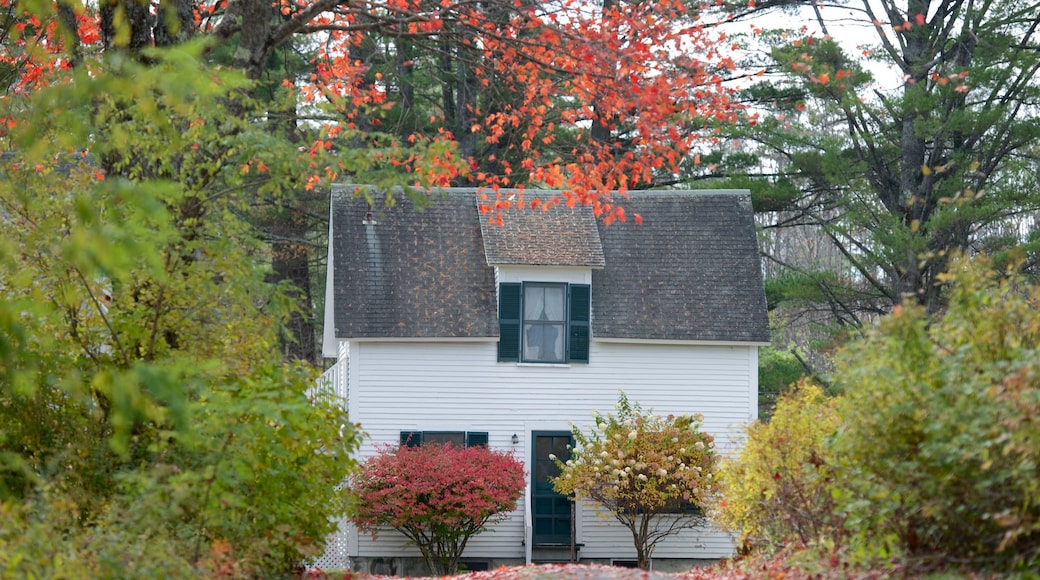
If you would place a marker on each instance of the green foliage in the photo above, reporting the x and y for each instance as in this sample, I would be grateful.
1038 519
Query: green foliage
777 491
655 474
910 144
269 489
939 444
797 288
45 541
777 371
146 418
255 483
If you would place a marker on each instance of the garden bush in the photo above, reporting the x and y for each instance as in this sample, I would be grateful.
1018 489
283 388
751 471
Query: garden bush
654 473
776 492
249 492
940 442
148 425
44 539
438 496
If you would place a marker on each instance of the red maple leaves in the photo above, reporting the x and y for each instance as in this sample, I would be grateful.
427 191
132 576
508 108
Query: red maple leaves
33 46
584 96
603 98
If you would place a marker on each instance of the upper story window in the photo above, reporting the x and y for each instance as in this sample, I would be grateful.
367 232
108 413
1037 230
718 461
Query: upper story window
543 322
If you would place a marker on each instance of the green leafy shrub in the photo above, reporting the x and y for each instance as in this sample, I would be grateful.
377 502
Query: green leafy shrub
269 471
45 540
247 493
776 492
148 427
939 443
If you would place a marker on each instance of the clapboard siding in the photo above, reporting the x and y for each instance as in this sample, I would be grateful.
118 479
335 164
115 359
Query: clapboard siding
604 537
452 386
505 540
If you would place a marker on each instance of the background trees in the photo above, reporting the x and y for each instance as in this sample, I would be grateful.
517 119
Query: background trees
655 474
896 132
890 150
437 496
421 93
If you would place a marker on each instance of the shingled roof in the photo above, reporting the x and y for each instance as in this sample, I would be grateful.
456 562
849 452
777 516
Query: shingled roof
408 272
689 272
556 236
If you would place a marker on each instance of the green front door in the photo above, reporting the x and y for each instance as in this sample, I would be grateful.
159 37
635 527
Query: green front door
551 511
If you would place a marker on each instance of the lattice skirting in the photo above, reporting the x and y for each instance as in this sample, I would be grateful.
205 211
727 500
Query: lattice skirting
335 556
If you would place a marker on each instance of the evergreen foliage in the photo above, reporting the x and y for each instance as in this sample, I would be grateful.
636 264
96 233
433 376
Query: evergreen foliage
894 151
778 371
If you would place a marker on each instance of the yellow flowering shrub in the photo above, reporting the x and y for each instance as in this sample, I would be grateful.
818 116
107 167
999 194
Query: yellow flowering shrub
655 474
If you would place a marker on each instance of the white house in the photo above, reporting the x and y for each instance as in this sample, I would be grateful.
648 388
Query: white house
464 330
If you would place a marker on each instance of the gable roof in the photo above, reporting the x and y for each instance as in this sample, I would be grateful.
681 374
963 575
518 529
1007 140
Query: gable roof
690 272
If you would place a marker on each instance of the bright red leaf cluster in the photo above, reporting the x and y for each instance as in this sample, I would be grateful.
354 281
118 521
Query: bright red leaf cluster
438 496
608 96
33 46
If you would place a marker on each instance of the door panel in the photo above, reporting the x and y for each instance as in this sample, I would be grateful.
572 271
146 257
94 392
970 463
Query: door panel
551 511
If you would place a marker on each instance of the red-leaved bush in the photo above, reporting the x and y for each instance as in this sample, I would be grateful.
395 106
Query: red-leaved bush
439 496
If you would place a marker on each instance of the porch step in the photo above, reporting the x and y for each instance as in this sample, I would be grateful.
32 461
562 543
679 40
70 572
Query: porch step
548 553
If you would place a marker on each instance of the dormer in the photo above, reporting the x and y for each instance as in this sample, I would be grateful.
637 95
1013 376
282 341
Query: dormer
543 261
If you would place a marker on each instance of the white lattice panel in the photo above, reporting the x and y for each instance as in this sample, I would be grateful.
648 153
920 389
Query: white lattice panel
335 556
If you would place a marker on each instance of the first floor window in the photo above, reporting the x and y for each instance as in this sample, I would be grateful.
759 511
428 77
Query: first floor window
455 438
543 322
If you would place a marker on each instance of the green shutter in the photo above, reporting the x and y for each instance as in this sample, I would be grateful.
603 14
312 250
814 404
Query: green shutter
580 301
411 438
476 439
509 321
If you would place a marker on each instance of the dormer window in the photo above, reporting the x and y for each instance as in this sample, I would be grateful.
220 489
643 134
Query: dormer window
543 322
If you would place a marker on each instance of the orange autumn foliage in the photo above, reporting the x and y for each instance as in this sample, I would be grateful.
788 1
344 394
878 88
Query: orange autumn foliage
601 96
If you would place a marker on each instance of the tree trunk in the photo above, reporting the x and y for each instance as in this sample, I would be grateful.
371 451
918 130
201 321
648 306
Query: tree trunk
466 101
175 22
600 131
255 32
447 86
137 19
638 525
406 85
291 263
67 18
